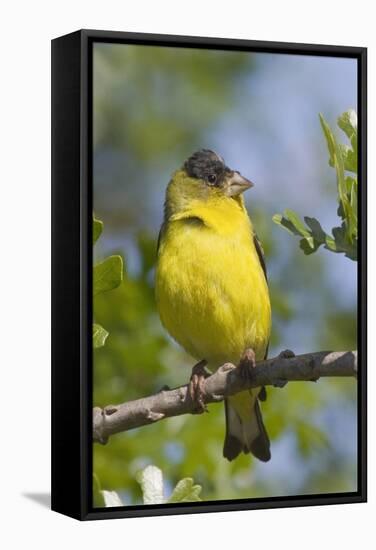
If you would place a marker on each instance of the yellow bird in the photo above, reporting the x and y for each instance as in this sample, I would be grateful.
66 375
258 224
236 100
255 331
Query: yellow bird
211 287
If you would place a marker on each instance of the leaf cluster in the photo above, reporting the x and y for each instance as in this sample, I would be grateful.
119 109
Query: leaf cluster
153 491
344 158
107 275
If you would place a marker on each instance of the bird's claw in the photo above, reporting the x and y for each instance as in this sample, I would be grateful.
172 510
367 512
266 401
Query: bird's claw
196 386
226 367
286 354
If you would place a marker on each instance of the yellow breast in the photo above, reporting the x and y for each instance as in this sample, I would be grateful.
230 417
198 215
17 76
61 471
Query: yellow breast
211 292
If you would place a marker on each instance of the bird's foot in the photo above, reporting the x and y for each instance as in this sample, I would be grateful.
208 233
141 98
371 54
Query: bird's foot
196 386
285 354
247 363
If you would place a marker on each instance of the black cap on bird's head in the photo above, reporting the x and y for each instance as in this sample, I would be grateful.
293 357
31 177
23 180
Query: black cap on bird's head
203 163
206 166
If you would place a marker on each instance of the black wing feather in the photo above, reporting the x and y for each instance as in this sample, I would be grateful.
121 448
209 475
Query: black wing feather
260 253
160 235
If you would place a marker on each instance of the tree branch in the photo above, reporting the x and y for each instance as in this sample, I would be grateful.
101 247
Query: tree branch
222 383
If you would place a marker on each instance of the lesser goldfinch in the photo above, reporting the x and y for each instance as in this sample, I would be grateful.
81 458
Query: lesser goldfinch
211 286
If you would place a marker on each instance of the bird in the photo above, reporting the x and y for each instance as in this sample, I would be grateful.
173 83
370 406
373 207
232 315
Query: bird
211 288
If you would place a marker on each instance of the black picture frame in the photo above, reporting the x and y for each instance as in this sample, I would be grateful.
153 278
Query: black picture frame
72 268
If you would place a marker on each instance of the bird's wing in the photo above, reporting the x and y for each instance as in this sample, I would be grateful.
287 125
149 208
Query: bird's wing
160 235
260 254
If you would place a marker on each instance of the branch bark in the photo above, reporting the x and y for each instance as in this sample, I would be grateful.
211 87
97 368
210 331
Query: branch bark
222 383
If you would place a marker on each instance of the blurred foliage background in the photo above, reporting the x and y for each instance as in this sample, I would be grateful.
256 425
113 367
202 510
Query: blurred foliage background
153 107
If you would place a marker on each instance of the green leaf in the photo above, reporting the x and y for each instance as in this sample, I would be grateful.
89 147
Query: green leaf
330 244
344 159
342 243
185 491
151 481
340 169
350 158
329 139
107 274
354 199
352 192
339 234
280 220
99 336
316 230
351 182
291 222
337 158
309 246
97 229
297 222
348 122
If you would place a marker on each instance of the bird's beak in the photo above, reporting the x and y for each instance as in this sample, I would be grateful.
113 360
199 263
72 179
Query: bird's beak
237 184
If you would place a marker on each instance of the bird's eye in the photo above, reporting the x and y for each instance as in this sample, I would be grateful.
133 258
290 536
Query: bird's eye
212 178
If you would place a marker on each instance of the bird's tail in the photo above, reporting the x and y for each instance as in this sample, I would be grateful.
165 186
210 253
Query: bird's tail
245 430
